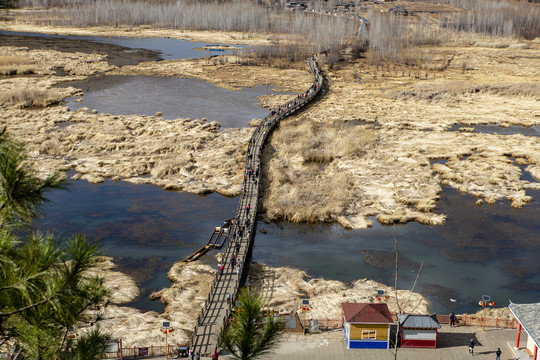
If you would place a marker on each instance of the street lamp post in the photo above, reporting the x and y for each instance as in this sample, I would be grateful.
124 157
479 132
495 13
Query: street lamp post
166 328
486 300
305 308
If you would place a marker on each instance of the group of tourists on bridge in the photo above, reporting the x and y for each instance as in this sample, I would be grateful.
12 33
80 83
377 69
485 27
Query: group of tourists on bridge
240 233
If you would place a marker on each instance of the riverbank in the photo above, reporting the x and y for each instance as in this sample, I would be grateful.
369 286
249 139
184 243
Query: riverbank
14 22
283 288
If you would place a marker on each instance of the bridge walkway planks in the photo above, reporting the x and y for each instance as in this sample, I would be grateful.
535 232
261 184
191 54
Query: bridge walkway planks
241 233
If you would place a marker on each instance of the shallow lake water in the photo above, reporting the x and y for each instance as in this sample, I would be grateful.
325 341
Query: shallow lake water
496 129
166 48
146 228
173 97
489 250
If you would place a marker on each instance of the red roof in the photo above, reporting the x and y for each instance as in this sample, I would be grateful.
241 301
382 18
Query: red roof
367 313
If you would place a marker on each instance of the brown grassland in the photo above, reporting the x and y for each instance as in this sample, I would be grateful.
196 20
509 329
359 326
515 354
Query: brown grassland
380 142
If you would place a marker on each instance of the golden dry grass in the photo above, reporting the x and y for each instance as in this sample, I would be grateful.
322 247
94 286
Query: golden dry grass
13 65
25 97
13 60
284 287
307 148
451 91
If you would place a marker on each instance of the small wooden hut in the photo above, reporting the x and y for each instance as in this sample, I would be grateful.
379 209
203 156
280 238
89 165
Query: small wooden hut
366 325
418 331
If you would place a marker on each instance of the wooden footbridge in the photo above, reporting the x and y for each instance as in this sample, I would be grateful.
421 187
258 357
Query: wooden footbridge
241 232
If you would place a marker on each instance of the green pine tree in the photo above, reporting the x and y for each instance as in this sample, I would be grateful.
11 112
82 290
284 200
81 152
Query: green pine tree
251 332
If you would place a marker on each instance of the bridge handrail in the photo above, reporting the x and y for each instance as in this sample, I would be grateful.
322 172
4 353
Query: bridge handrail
254 148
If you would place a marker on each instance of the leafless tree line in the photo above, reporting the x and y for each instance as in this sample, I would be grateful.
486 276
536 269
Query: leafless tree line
389 36
316 32
494 17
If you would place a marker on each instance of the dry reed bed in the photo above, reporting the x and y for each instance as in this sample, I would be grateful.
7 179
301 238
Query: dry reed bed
179 154
182 154
24 97
391 175
452 91
191 284
16 65
284 287
46 62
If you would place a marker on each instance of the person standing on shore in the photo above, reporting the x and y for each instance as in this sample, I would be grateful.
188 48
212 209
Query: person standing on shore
452 319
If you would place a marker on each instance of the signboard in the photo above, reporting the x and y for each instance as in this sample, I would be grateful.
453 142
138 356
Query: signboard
380 292
305 301
290 321
485 298
143 351
112 346
166 324
415 334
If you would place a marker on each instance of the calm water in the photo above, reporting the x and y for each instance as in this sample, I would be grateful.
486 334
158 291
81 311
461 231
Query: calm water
173 97
495 129
488 250
146 228
166 48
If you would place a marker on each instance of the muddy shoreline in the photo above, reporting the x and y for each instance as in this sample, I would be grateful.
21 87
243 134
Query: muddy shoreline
116 55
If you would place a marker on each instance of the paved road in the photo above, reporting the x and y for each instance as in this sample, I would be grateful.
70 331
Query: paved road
453 345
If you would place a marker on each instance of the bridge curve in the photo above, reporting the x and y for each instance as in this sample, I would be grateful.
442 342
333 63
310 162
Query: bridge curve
241 234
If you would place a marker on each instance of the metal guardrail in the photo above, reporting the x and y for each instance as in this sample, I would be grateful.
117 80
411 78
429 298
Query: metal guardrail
250 197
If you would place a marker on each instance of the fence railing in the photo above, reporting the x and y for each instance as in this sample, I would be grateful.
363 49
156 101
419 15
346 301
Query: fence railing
463 320
143 351
475 320
251 196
